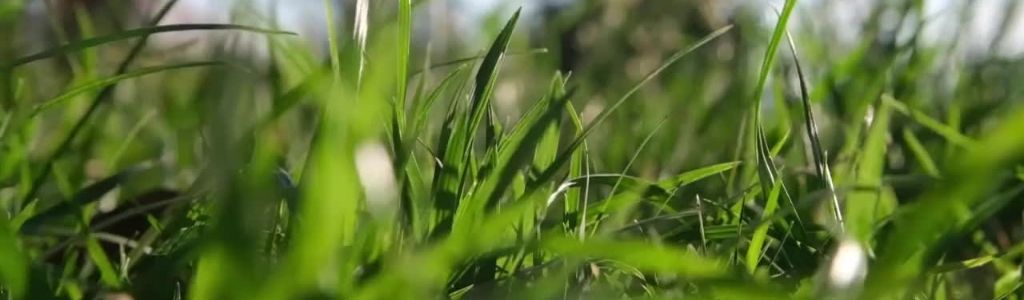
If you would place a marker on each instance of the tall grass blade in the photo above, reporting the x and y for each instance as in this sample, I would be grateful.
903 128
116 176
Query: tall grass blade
863 207
133 33
105 82
951 134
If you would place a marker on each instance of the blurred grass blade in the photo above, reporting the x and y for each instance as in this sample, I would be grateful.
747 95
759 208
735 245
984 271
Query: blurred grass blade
769 56
134 33
82 197
13 265
360 31
862 207
107 273
404 46
101 83
647 257
334 46
401 148
101 96
695 175
920 153
951 134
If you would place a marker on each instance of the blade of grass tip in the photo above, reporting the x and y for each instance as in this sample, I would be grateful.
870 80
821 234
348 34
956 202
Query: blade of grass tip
812 130
104 82
485 78
809 123
465 132
333 44
601 117
360 29
769 57
134 33
105 93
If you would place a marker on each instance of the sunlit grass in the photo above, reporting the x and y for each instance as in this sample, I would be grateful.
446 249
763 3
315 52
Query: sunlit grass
374 173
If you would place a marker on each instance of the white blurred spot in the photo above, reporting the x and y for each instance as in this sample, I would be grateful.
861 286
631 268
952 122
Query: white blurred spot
848 266
869 115
592 110
376 175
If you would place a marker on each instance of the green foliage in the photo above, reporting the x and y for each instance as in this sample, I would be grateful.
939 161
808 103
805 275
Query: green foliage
656 153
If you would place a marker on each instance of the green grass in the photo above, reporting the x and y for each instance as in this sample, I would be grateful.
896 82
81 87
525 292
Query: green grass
698 162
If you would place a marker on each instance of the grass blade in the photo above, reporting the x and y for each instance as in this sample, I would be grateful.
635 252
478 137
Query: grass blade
645 256
105 82
486 75
13 265
920 153
862 206
757 240
951 134
134 33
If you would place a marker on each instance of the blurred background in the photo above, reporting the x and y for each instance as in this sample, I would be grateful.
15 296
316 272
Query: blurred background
928 51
